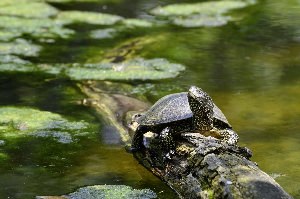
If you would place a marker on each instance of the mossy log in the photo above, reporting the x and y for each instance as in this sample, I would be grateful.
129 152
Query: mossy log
205 167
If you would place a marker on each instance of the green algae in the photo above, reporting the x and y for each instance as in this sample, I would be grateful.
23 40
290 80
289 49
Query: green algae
8 35
26 8
103 33
126 50
88 17
3 157
137 23
82 1
22 121
136 69
13 2
43 27
123 26
201 21
19 47
203 14
59 136
205 8
6 59
16 67
112 192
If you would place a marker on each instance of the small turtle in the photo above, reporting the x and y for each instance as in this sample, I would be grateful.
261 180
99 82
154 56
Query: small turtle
192 111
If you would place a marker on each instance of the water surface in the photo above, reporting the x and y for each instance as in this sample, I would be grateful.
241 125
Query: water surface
250 67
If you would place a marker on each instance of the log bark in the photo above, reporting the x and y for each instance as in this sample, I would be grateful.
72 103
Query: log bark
205 167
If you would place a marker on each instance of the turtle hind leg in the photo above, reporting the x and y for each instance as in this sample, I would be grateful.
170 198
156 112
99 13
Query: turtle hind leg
229 136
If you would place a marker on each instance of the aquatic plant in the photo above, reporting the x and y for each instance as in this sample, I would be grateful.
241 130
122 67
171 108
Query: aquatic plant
203 14
23 121
135 69
112 192
88 17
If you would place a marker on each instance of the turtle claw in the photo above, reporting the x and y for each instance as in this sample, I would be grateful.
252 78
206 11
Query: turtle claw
130 149
229 136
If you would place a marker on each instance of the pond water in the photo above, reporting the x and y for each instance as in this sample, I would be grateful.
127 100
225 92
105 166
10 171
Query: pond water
250 67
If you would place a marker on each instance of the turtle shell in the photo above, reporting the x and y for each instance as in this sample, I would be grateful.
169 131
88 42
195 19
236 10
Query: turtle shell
175 107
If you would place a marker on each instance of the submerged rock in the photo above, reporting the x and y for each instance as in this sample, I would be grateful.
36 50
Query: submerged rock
106 191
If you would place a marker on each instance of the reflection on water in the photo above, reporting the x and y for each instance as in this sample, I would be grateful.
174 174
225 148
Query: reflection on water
250 67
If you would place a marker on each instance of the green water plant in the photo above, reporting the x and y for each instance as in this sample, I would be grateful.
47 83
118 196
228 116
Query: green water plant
134 69
137 23
83 1
112 192
201 14
16 122
103 33
26 8
19 47
88 17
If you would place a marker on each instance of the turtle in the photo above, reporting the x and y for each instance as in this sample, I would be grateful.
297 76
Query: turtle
192 111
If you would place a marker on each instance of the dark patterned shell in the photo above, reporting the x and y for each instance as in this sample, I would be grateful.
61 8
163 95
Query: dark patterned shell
171 108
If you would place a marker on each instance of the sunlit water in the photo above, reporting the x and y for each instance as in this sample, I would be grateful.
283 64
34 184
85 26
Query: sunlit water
251 68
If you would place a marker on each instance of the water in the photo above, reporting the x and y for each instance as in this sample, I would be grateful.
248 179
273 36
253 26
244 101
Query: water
251 68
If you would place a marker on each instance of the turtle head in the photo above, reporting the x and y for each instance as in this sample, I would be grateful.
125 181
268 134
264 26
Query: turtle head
201 105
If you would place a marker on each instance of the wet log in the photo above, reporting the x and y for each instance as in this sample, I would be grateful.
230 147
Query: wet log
205 167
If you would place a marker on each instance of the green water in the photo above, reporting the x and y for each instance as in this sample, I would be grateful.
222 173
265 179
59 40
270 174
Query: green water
250 67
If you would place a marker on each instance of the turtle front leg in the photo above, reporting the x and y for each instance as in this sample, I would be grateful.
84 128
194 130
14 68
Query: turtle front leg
225 135
167 142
